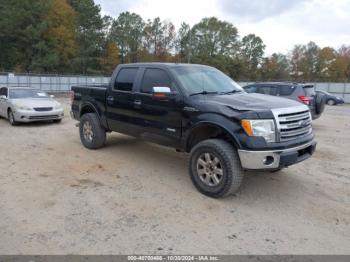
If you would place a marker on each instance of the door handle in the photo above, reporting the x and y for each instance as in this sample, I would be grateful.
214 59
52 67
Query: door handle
137 102
110 99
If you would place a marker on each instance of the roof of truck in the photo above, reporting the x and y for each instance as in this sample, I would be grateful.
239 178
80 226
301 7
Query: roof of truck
161 64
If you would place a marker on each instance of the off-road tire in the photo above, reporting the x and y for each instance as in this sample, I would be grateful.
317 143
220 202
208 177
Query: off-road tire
232 171
99 133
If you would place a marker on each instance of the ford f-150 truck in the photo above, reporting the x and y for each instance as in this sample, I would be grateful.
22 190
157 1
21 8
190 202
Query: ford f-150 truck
199 110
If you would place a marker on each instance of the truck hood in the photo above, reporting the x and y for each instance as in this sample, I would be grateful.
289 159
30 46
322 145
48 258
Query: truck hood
251 102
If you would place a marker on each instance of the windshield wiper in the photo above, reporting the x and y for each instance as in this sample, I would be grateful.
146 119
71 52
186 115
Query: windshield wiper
231 92
204 93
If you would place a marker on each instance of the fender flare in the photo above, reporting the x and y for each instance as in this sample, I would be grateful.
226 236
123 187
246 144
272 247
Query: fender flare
96 111
228 126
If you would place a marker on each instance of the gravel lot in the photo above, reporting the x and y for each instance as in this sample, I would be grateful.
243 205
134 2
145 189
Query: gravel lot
57 197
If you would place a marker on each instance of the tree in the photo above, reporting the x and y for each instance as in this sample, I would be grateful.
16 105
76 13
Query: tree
127 32
182 42
212 37
90 36
311 62
252 51
326 59
21 35
275 67
296 56
110 58
60 35
340 68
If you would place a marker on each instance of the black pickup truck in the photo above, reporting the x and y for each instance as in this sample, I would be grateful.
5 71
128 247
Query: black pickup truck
199 110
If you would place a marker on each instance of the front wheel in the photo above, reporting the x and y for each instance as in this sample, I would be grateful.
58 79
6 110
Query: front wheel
92 134
11 118
215 168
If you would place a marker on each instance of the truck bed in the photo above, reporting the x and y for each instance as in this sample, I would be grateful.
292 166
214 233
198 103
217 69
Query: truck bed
92 94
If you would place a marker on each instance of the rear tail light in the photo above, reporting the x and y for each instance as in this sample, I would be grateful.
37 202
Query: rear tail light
304 99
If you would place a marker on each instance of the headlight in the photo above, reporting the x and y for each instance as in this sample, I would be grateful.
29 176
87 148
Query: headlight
262 128
58 107
23 108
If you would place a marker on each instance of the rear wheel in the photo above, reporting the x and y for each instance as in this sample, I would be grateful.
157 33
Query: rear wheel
92 134
11 118
215 168
331 102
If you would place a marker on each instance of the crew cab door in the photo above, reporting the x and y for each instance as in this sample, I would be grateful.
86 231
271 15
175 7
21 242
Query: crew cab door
120 98
161 116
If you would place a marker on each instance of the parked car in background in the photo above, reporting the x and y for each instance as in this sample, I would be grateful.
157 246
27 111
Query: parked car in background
332 99
24 104
304 93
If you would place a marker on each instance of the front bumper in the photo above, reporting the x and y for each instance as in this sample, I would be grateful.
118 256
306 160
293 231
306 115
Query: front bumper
34 116
267 160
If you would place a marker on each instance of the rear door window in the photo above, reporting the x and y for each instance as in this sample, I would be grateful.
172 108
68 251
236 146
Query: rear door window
126 79
267 90
286 90
154 78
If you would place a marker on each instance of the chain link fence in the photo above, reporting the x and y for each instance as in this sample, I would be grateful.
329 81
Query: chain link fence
63 83
50 83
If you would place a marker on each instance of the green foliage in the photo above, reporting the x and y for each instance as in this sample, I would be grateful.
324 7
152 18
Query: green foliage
71 36
21 35
127 31
90 36
212 37
251 54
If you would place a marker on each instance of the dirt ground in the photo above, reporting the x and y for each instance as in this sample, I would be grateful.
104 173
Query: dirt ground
57 197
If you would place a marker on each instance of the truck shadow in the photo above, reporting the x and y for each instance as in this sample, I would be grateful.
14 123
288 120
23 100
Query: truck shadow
173 166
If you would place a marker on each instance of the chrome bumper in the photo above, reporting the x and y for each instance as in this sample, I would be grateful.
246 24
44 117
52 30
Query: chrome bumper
277 158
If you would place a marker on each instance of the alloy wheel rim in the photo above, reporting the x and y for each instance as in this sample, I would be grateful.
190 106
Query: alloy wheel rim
88 132
209 169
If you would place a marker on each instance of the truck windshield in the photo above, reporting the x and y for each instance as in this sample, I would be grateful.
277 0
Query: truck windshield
205 80
27 93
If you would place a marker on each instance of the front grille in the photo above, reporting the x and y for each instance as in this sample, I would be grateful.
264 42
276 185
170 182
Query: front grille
43 117
43 109
293 125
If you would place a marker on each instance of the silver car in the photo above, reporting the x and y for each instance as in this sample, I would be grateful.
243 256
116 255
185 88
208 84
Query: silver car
21 104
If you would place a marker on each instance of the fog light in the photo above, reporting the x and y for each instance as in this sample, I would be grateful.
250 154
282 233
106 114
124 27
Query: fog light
268 160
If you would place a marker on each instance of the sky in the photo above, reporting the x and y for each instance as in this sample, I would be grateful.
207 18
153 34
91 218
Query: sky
280 23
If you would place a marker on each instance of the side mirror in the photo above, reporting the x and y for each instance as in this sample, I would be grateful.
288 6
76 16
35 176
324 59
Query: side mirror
52 96
162 92
3 97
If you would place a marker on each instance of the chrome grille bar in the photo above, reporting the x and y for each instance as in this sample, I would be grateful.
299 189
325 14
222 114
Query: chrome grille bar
293 122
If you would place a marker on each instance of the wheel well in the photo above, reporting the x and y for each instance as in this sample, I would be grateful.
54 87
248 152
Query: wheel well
202 133
87 109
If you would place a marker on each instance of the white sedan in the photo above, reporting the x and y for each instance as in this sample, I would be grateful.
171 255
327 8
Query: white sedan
21 104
